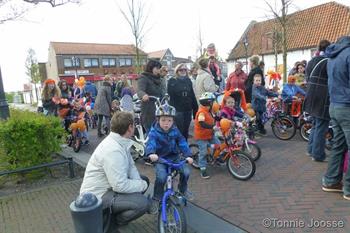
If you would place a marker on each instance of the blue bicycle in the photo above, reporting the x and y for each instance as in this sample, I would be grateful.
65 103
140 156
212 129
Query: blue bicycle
171 217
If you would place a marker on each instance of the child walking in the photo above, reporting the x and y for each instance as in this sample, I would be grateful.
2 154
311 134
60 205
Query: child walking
166 141
259 94
203 129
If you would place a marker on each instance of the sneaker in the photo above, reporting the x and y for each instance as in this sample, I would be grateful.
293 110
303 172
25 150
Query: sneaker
308 154
320 161
154 207
334 188
347 197
188 195
204 174
262 133
86 142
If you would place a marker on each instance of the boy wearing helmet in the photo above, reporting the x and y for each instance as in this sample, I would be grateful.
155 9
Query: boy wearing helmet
203 128
165 140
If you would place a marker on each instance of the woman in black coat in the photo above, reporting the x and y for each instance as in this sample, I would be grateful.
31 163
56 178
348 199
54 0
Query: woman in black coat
149 83
182 97
254 69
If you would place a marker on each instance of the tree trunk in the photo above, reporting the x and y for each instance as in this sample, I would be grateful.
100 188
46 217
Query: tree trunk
284 54
138 67
36 93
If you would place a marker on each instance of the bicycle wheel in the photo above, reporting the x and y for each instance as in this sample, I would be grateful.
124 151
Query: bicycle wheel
195 155
76 144
240 165
253 150
175 219
283 128
305 129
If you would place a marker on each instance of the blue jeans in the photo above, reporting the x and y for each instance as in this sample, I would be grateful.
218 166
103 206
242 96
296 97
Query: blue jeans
203 150
183 121
317 139
161 177
341 143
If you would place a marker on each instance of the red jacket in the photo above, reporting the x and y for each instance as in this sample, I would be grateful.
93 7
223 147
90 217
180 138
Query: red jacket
236 80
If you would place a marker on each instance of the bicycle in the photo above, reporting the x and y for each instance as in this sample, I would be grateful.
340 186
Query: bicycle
171 216
282 126
240 165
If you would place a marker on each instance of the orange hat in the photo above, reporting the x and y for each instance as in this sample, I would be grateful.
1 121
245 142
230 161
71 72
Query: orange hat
49 81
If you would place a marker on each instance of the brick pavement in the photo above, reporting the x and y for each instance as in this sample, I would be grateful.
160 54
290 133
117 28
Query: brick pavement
286 186
46 210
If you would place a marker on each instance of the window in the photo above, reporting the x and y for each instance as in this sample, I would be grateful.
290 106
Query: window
108 62
90 62
71 62
125 62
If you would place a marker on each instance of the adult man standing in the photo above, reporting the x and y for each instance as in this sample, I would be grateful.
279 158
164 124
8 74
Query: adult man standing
338 70
237 78
111 173
317 102
204 81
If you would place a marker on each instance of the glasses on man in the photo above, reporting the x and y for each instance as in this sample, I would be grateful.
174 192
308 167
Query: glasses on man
182 70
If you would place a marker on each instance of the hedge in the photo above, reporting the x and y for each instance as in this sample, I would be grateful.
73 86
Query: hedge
28 139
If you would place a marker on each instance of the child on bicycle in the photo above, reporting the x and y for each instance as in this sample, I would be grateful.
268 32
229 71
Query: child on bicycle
203 129
259 94
291 90
229 111
77 117
165 141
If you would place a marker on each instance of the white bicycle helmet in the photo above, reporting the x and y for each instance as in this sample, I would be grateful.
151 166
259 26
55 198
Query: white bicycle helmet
207 99
165 110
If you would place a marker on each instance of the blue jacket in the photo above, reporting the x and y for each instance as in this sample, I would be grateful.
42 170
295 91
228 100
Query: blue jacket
90 87
338 69
166 144
259 94
290 90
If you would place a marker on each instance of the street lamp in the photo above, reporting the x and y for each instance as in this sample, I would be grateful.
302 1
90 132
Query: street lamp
245 43
4 107
74 61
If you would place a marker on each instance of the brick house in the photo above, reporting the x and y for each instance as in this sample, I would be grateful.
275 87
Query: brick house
167 58
68 60
306 28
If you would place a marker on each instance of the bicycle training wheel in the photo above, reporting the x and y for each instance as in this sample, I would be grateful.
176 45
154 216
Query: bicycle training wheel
283 128
253 150
241 165
175 219
195 155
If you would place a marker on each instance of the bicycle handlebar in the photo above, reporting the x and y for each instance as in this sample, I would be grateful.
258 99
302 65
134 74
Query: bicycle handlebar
171 163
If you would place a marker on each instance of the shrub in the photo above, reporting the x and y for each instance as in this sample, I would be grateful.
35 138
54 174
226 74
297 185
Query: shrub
28 139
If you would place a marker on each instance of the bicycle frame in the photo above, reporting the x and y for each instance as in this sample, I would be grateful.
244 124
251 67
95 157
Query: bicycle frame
169 189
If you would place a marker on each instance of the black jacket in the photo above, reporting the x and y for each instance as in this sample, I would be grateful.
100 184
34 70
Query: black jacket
182 95
317 97
249 82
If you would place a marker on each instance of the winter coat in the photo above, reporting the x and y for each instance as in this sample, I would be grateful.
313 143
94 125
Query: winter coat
317 98
290 90
338 70
104 100
166 144
151 85
182 95
249 82
204 83
111 166
90 88
236 80
259 94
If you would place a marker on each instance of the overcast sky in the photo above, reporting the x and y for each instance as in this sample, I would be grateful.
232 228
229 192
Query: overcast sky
172 24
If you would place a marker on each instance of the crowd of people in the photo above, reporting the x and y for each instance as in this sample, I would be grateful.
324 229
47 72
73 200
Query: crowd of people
111 173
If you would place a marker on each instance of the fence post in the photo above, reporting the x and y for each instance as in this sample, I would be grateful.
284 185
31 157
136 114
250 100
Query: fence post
71 167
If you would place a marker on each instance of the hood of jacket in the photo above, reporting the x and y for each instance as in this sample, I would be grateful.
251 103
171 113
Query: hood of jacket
334 49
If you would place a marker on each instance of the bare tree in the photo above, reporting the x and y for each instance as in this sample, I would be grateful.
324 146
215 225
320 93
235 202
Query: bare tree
32 69
200 47
136 15
12 10
281 16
